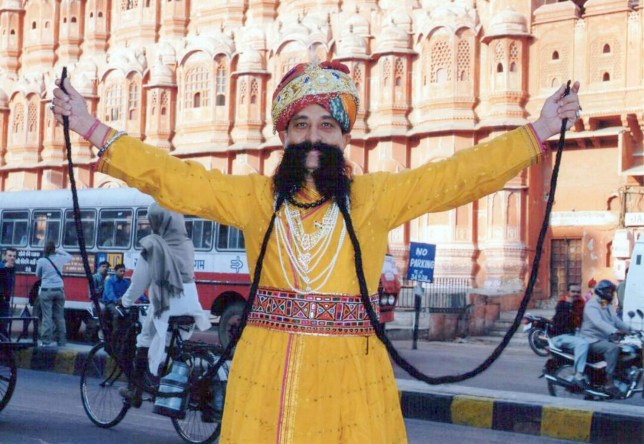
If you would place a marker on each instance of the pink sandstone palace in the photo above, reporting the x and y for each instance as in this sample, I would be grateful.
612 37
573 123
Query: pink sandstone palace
435 76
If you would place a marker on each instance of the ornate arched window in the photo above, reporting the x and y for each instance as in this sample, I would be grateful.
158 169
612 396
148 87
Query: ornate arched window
18 118
197 87
441 65
463 55
32 117
243 90
254 91
399 73
386 72
357 79
113 102
222 82
153 103
165 102
499 57
133 99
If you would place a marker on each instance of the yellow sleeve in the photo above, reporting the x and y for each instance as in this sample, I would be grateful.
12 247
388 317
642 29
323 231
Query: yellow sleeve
186 186
465 177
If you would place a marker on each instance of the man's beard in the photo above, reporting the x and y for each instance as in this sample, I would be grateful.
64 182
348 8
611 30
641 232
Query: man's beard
331 178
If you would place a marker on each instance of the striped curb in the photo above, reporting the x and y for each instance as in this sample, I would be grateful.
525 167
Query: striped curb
551 421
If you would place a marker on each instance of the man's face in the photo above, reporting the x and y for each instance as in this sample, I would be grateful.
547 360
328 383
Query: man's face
120 273
103 269
9 258
575 291
314 124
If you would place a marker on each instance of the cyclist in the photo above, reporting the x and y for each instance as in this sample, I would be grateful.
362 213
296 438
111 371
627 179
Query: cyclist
166 269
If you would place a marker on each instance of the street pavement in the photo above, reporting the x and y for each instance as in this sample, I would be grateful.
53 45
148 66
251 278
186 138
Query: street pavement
508 397
46 409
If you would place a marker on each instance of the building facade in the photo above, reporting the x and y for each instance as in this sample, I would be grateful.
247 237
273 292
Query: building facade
435 76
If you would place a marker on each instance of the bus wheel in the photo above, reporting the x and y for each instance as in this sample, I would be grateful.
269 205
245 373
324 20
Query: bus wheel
229 322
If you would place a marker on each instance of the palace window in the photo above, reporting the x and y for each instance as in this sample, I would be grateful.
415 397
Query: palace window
164 103
386 72
463 60
242 92
32 117
400 72
197 87
113 97
153 103
441 63
222 81
254 91
133 100
18 118
129 4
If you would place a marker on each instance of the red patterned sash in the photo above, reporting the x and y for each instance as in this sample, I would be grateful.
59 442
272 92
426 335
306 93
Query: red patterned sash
314 314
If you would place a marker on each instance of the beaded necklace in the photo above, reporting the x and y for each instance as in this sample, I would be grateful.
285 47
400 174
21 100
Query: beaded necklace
305 251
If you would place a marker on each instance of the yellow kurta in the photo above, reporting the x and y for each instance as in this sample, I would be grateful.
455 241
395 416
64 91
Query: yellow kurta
287 387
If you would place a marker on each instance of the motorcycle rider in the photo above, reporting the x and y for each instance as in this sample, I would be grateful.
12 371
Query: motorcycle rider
599 325
565 324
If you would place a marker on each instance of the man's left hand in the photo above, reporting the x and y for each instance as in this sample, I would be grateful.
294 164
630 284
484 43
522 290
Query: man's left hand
556 108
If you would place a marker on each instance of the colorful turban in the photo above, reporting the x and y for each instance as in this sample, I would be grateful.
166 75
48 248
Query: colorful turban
327 84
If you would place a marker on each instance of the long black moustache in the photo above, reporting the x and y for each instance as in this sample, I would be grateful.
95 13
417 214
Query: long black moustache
332 178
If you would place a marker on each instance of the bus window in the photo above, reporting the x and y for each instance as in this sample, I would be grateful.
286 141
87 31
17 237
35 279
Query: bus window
88 222
200 231
45 226
14 228
142 226
229 238
115 227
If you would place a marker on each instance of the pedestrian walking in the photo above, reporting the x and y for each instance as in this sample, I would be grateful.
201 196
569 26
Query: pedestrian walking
308 367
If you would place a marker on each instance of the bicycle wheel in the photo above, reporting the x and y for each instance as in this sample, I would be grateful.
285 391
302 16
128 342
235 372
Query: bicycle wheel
101 379
193 428
8 375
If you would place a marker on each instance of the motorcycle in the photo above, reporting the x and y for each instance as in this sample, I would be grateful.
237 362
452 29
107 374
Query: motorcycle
537 328
559 371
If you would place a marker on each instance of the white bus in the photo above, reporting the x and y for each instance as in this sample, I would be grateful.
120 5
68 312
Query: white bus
113 221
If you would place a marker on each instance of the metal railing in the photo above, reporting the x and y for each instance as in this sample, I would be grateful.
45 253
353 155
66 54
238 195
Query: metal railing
443 295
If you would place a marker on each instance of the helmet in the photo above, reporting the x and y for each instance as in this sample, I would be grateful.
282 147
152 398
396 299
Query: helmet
605 290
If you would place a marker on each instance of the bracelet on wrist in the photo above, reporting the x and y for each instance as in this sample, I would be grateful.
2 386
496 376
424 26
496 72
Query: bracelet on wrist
109 142
107 133
91 129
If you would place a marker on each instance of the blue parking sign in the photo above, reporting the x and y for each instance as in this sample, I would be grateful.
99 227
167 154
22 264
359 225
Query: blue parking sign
421 262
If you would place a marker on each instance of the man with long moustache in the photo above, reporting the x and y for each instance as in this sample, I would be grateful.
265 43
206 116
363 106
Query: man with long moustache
308 368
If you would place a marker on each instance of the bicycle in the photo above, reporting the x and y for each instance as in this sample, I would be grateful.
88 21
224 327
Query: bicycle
8 347
107 366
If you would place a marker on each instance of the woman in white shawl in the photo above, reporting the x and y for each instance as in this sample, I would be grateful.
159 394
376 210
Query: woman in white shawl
166 269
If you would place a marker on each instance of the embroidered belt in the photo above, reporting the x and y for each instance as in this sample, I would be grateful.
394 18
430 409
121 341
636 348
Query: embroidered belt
314 314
